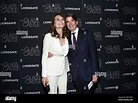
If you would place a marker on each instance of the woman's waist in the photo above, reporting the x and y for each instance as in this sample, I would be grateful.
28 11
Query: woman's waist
59 55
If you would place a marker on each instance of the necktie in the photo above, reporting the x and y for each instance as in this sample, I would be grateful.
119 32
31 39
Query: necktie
74 38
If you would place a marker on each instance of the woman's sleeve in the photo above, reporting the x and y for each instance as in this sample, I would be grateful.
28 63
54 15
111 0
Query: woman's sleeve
66 58
67 46
67 64
46 44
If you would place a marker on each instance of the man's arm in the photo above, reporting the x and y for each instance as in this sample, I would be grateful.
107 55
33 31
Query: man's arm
50 55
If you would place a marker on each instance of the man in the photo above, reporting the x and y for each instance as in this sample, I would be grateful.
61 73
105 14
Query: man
82 56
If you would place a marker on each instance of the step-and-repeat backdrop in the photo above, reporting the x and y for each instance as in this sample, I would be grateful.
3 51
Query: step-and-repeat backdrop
23 24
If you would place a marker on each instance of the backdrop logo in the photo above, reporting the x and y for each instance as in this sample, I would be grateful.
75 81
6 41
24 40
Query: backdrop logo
114 34
34 79
72 8
30 65
28 92
112 62
71 90
130 61
31 51
11 98
100 47
10 66
5 22
130 10
47 22
130 35
112 9
129 74
100 74
95 9
93 22
8 91
112 23
52 8
10 80
28 7
112 75
3 74
24 35
112 87
69 76
130 48
19 32
132 22
100 62
12 37
79 22
8 52
29 37
30 22
8 8
112 49
98 89
98 36
129 86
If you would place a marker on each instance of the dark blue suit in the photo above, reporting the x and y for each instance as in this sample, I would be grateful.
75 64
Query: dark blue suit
83 59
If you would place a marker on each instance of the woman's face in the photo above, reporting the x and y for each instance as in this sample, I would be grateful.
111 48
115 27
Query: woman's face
59 22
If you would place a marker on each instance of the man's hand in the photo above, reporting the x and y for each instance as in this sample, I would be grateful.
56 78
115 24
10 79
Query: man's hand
50 55
94 78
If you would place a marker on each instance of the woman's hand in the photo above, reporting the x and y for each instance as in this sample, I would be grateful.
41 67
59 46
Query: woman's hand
44 81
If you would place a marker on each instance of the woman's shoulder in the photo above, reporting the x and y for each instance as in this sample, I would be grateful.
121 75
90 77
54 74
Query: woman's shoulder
47 35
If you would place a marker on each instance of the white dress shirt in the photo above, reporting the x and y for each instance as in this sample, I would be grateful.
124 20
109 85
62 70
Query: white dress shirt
76 34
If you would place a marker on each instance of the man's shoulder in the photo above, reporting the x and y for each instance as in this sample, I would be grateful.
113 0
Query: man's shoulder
85 31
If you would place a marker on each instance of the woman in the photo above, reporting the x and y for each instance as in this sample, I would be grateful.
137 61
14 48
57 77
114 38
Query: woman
54 69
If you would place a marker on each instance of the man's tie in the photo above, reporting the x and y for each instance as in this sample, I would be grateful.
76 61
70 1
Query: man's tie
74 38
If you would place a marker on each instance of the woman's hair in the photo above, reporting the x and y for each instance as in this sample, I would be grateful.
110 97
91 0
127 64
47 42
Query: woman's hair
53 31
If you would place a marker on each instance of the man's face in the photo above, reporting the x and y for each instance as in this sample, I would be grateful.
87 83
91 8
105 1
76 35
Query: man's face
71 24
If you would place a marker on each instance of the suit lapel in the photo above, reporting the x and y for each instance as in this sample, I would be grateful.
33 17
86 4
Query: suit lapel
69 39
79 39
70 42
80 36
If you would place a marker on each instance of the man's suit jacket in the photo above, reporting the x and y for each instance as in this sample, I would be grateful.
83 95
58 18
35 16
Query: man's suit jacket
83 58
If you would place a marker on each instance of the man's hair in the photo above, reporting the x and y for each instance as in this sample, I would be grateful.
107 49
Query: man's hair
71 15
